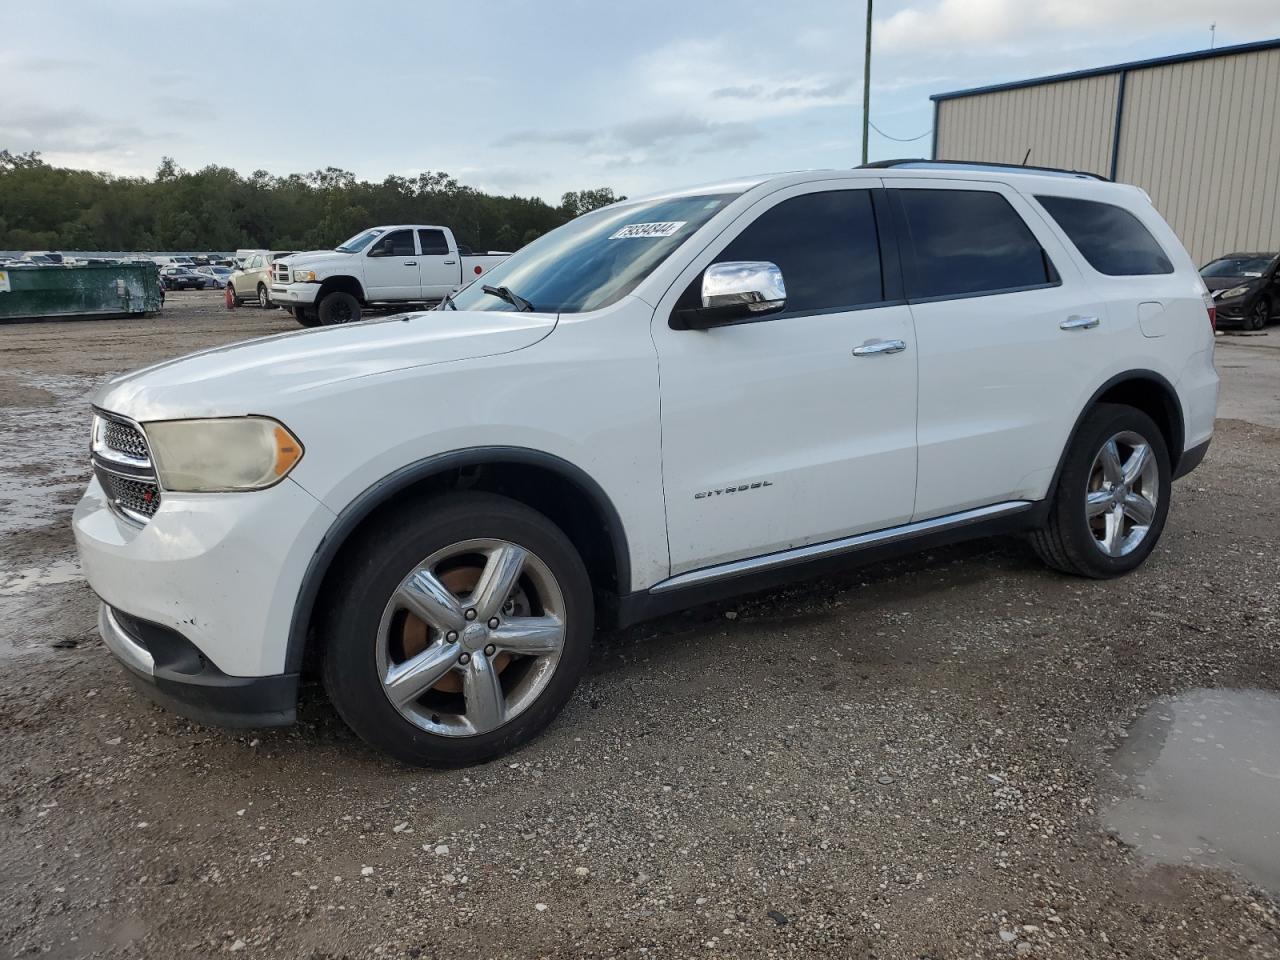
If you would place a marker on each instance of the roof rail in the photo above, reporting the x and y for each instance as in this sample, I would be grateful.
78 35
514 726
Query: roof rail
922 164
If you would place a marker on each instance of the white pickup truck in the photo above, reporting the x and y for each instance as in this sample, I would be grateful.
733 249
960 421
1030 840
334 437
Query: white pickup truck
406 263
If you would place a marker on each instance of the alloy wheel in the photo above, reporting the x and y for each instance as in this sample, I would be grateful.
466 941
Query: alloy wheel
471 637
1122 494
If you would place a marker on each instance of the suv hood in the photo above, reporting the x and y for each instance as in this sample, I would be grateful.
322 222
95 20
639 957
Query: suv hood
257 375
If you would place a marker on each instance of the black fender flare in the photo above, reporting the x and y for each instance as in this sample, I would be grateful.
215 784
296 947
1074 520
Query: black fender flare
355 512
1170 397
340 282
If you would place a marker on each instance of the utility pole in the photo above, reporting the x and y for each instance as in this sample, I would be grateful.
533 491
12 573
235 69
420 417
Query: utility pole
866 88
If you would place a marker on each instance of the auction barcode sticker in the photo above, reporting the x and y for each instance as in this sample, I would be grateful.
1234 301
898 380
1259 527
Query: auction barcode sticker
4 281
633 230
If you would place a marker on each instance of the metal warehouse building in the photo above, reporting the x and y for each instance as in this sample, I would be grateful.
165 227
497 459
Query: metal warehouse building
1200 132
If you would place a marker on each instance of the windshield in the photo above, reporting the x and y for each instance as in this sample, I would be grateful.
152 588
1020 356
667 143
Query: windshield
595 260
1237 267
358 242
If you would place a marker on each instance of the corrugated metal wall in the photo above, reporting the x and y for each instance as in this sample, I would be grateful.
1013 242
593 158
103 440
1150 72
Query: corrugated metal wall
1201 137
1068 124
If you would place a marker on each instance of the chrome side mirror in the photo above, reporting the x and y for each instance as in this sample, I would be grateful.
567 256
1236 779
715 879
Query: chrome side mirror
755 286
733 292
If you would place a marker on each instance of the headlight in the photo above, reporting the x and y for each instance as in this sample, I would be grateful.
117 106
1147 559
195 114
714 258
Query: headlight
304 276
1235 292
235 453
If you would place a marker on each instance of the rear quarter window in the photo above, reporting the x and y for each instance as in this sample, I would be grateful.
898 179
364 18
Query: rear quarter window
1110 238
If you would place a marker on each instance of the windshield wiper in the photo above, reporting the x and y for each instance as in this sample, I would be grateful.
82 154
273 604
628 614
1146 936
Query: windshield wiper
447 302
504 293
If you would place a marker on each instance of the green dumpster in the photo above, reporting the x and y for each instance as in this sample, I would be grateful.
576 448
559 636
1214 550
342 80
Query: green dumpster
92 291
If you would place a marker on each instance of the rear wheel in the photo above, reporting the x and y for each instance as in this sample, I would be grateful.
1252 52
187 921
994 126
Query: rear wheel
460 629
231 295
264 298
1112 498
338 307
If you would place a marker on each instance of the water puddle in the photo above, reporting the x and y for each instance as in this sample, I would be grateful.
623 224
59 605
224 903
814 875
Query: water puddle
14 582
1202 774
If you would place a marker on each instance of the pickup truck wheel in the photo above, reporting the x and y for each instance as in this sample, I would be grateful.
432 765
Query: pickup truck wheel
1112 498
264 298
339 307
458 630
306 317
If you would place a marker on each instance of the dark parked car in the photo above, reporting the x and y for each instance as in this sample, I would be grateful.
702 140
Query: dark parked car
1245 288
182 278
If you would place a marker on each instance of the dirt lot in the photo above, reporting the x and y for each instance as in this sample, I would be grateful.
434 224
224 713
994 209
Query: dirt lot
910 760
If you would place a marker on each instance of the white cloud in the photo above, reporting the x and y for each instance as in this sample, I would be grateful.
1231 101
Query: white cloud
973 26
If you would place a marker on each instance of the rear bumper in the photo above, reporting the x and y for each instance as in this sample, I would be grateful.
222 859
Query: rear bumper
169 669
1191 459
294 294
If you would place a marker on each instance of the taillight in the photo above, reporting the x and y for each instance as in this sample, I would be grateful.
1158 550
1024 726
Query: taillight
1212 310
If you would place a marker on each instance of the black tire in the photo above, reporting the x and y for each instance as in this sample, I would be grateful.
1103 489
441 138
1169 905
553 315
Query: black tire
1259 316
338 307
264 298
1067 542
234 299
307 318
382 557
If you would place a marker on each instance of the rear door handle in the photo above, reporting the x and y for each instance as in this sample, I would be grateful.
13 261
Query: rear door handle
874 348
411 263
1079 323
449 263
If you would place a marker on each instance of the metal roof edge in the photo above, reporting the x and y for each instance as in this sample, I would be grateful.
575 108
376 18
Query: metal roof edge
1115 68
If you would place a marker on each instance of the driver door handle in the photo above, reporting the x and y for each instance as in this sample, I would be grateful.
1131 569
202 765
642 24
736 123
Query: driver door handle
1079 323
449 263
873 348
411 263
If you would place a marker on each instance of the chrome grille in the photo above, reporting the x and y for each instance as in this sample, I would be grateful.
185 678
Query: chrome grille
124 438
122 464
134 498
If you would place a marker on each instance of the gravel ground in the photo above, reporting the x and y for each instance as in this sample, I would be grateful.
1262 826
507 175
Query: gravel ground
909 760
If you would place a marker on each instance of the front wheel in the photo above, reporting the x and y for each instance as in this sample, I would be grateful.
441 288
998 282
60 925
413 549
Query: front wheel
307 318
458 631
1259 315
338 308
1112 497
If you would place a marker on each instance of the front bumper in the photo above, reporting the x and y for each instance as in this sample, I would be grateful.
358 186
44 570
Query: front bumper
294 294
169 669
212 578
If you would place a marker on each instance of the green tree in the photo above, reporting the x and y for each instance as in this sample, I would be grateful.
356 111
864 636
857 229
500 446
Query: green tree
216 208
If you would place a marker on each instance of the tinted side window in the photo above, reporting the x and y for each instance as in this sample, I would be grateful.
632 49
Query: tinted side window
825 244
968 242
433 242
1111 238
397 243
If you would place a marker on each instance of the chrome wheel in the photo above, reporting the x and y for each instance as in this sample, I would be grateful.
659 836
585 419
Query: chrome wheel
471 637
264 301
1123 492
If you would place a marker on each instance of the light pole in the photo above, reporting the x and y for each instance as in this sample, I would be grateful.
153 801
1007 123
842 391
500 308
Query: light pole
866 88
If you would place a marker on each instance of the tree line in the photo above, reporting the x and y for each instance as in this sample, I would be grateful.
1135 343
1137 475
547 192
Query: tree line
54 208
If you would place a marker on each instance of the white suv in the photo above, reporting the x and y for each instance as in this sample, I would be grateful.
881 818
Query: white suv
663 402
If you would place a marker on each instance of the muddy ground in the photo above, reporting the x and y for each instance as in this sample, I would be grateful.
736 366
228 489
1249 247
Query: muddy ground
910 760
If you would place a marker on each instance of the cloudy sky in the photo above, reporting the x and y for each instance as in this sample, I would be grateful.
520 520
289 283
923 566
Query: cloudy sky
541 96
